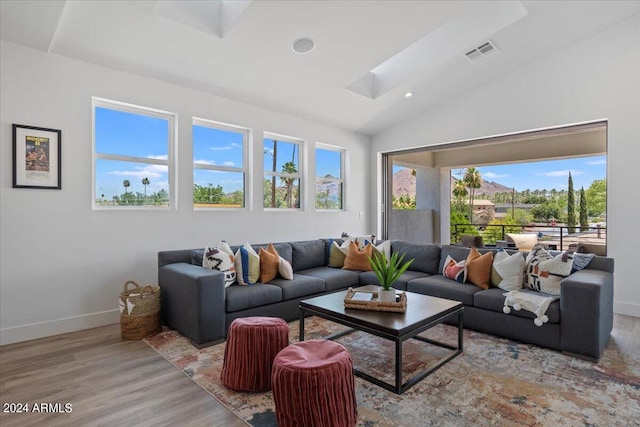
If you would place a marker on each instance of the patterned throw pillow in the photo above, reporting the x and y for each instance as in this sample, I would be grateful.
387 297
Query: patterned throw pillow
358 259
454 270
544 272
220 258
479 268
507 271
247 265
269 263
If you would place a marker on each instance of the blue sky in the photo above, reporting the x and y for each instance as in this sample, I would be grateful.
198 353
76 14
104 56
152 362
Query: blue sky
136 135
546 175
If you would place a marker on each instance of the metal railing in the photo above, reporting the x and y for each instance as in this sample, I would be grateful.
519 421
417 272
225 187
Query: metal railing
553 235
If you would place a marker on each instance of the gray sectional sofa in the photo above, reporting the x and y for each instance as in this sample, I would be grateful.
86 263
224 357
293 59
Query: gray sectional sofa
196 303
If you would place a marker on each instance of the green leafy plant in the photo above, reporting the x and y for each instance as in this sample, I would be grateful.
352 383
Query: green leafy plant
388 270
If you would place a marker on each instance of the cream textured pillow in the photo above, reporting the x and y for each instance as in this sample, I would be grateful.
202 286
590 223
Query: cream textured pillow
507 271
285 269
383 248
358 259
479 268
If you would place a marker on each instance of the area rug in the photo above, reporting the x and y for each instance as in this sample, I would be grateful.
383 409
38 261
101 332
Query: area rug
494 382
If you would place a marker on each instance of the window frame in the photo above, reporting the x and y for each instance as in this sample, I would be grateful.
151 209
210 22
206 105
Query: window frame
246 138
342 180
299 175
172 119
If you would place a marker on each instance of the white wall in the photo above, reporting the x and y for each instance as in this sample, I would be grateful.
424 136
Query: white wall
63 264
595 79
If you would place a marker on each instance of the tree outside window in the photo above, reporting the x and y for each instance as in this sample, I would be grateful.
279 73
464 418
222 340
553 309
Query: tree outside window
282 174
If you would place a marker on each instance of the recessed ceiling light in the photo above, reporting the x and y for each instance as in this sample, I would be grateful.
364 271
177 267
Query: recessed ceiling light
408 94
303 45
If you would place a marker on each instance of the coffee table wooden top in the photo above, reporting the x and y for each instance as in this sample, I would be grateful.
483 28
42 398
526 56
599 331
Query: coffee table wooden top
421 310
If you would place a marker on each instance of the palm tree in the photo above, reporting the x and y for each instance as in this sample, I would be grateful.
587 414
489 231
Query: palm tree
473 180
145 182
459 192
289 168
126 185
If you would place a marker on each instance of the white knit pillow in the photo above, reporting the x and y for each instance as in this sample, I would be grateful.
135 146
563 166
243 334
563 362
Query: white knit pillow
507 271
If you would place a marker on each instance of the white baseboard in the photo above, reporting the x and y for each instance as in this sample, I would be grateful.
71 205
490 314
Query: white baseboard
33 331
629 309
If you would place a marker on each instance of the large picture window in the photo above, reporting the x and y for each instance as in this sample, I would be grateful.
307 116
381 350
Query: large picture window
329 177
282 172
219 165
132 151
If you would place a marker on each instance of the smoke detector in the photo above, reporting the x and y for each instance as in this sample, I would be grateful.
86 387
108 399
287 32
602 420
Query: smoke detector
481 51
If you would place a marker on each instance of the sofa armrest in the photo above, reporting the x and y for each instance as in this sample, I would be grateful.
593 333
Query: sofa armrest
193 301
586 309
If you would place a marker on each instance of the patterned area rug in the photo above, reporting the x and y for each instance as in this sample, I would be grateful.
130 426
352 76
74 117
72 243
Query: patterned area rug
493 382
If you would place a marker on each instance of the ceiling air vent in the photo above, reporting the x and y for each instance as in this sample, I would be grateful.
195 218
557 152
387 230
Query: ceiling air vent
483 50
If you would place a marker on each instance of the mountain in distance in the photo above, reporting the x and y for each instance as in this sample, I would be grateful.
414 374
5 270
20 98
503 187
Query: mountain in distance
405 183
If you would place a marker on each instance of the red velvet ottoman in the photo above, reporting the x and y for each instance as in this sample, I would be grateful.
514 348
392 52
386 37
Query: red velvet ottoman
252 344
313 385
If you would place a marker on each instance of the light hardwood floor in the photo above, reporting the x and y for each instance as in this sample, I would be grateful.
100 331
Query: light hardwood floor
107 380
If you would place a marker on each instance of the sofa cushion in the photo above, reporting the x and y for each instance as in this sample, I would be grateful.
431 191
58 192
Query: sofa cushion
300 286
244 297
426 257
307 254
283 249
493 300
358 259
334 278
440 286
337 253
369 278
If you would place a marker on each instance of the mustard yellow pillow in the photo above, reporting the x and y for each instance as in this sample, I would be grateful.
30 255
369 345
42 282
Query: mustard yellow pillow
479 268
269 264
357 259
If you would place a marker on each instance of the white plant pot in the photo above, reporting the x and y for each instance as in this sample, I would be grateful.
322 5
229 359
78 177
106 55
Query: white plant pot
387 296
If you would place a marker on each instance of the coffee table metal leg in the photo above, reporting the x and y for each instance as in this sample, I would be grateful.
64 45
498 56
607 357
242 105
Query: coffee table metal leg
301 334
398 366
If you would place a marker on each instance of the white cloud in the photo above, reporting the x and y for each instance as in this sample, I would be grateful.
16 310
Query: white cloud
204 162
226 147
598 162
148 171
159 157
494 175
229 163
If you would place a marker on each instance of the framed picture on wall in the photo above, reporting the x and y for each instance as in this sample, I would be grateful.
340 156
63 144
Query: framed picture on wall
37 157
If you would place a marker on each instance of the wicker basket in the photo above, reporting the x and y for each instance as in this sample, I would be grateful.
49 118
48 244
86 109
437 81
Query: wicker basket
139 311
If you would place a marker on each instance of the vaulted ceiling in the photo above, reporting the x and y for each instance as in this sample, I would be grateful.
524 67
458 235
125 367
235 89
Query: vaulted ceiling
367 54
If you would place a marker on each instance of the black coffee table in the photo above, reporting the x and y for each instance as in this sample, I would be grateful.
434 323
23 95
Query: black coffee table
423 312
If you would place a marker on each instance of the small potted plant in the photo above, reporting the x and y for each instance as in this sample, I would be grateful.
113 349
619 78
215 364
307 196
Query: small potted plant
388 271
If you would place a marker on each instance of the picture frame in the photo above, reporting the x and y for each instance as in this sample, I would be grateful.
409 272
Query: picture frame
37 157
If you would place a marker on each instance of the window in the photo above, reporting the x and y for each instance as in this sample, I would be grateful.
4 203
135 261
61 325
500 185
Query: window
219 165
329 177
133 155
282 174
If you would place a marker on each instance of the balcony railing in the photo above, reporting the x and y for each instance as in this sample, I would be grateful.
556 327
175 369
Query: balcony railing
558 237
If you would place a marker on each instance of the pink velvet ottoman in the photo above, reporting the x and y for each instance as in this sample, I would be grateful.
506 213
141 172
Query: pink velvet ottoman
313 385
252 344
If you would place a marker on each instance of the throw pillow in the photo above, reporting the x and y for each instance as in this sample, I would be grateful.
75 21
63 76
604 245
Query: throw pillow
269 264
361 240
383 248
337 253
507 271
285 269
581 261
479 268
544 272
220 258
358 259
454 270
247 265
